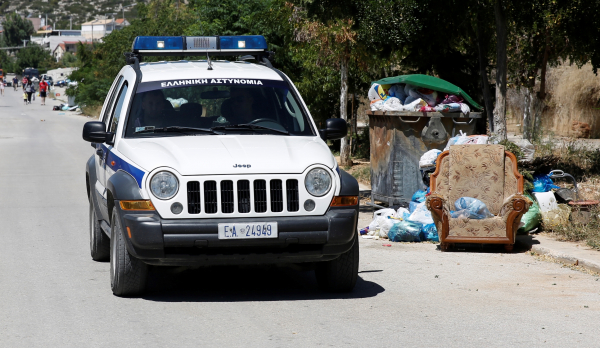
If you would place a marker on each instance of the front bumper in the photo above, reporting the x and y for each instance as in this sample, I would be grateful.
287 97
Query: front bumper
193 242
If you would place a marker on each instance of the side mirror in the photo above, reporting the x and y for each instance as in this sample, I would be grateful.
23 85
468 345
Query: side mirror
95 132
336 128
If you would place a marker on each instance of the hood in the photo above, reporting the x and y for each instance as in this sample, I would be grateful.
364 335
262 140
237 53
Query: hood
228 154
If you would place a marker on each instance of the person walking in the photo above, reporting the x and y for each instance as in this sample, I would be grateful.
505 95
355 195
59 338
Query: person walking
15 83
29 90
43 90
25 81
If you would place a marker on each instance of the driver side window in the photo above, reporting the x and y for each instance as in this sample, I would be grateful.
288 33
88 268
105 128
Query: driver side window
111 99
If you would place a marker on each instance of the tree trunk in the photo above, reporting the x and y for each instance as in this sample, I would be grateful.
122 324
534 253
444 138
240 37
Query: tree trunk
485 85
527 114
501 71
345 144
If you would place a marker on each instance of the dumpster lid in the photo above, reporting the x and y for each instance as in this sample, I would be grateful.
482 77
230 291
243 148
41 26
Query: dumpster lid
431 82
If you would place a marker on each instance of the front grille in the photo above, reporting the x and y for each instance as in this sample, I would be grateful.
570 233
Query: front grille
243 196
210 197
193 196
227 196
293 201
260 196
243 189
276 196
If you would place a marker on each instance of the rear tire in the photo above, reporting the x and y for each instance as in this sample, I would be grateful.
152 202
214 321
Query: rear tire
99 241
127 273
339 275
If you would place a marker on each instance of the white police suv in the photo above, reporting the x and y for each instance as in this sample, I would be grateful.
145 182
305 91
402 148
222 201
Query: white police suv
201 162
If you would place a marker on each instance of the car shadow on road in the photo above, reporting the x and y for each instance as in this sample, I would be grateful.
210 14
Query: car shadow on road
240 284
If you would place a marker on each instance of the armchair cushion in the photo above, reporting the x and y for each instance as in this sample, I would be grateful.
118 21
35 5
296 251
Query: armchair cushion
477 171
465 227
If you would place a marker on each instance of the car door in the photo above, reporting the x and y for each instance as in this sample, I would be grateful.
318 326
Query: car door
101 152
112 126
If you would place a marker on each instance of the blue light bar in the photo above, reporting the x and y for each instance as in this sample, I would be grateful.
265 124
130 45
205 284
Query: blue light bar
199 45
243 42
160 43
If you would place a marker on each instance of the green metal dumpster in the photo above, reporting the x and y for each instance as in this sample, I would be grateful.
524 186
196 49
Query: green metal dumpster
398 142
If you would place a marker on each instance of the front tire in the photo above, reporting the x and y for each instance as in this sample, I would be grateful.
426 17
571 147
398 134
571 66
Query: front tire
127 273
339 275
99 241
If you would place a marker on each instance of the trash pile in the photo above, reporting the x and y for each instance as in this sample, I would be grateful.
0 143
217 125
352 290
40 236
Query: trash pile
421 93
404 225
65 107
413 98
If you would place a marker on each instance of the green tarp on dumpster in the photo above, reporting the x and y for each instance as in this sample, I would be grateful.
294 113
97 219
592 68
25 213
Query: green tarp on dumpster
430 82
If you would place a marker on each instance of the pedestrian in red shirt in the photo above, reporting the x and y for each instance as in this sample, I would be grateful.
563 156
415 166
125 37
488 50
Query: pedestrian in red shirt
43 89
25 80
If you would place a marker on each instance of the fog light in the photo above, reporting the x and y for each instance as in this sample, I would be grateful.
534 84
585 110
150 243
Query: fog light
309 205
176 208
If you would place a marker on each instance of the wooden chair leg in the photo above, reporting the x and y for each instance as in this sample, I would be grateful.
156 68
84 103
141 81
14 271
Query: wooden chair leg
444 246
509 248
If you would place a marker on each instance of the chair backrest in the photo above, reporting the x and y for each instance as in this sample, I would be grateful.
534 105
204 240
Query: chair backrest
485 172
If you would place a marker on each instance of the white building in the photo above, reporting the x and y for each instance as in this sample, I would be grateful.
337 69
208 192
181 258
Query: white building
95 30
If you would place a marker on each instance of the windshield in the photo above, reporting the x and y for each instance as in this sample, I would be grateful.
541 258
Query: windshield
233 106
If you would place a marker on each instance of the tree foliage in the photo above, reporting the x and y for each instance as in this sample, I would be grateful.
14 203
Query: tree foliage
16 29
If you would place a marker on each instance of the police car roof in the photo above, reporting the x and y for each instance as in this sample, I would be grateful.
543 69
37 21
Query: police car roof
185 69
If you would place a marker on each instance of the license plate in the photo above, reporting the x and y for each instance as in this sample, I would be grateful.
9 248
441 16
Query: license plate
249 230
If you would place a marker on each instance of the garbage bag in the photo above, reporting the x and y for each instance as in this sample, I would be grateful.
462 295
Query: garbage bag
531 219
421 214
385 225
428 159
428 95
543 183
527 148
419 196
377 105
471 208
374 226
402 213
392 104
556 217
398 92
376 92
406 231
430 233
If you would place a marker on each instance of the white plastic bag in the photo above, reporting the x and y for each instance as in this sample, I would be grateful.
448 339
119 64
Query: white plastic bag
527 148
385 224
428 159
421 214
392 104
377 105
374 225
414 105
402 213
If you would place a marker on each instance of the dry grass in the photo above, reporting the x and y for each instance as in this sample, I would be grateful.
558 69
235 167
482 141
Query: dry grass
93 111
573 96
361 171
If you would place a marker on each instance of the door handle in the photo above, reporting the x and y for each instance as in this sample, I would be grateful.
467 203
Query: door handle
99 152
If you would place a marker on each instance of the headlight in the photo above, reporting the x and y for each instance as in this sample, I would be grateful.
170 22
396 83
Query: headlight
164 185
317 182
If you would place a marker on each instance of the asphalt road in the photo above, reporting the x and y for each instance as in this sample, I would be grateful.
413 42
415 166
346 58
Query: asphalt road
53 295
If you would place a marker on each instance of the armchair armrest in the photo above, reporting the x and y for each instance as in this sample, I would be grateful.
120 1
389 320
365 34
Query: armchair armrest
516 203
436 203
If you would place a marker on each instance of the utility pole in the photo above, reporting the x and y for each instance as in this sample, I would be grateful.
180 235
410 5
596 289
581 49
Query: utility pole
71 23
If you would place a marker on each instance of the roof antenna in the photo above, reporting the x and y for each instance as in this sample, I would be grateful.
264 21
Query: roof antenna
208 60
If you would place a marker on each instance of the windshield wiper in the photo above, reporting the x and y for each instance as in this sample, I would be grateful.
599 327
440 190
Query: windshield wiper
152 129
250 126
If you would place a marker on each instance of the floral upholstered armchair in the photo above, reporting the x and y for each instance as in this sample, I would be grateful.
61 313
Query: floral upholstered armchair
488 173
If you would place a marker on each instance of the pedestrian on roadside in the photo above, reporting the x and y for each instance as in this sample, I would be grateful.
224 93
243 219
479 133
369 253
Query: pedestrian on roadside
15 83
25 81
25 98
29 91
2 87
43 89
